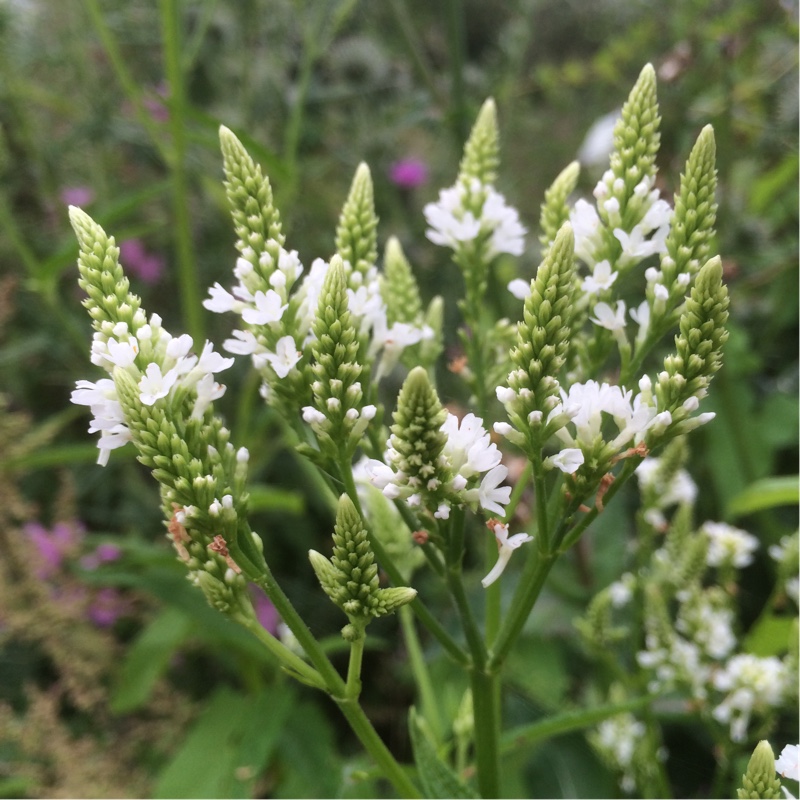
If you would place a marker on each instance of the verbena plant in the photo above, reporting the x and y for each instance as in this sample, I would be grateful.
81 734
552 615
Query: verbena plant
416 485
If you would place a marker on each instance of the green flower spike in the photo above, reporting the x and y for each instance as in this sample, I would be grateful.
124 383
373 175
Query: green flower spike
417 439
356 234
636 143
555 211
338 416
687 373
482 150
399 289
692 224
760 780
350 577
255 219
543 342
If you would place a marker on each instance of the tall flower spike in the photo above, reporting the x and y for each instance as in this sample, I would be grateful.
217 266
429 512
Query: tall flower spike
101 277
760 780
555 211
337 416
482 150
255 219
698 356
356 237
543 341
350 577
695 211
636 142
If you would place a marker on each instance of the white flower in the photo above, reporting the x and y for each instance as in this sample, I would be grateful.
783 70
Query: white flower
568 460
506 546
520 288
378 474
109 418
602 278
284 358
450 223
635 247
469 448
587 228
729 545
491 494
244 343
599 141
508 233
268 308
220 300
607 317
207 390
788 763
153 385
621 591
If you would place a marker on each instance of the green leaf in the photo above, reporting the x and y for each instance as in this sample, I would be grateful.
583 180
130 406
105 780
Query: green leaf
148 658
228 747
769 636
766 493
437 779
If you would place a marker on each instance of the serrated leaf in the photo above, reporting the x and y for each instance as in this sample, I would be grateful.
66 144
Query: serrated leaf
148 658
437 779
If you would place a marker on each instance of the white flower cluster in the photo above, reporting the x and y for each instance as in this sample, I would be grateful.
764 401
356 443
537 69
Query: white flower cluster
268 308
679 490
470 210
163 367
786 554
729 546
617 739
751 685
468 452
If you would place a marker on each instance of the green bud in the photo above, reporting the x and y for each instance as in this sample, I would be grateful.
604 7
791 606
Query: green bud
101 277
255 219
416 434
356 234
482 150
692 224
543 337
350 578
760 780
698 355
430 349
399 289
555 211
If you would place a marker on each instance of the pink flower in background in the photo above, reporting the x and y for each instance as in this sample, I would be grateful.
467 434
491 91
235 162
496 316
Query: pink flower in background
135 259
408 173
53 546
266 613
106 607
77 196
102 555
157 110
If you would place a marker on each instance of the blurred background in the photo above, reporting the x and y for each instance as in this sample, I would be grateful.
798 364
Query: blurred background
115 678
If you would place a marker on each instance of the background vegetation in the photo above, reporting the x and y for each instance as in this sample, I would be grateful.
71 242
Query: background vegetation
115 678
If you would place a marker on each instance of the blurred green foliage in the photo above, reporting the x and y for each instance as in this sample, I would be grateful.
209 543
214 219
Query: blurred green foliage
312 88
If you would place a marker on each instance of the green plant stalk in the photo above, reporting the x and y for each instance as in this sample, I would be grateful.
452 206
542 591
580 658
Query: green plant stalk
455 36
423 614
422 676
128 84
486 716
531 581
353 689
536 732
284 654
187 273
493 595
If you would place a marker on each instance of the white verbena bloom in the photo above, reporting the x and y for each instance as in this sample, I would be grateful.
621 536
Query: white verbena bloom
728 545
602 278
284 358
608 318
587 228
568 460
520 288
153 385
108 419
267 307
506 546
788 763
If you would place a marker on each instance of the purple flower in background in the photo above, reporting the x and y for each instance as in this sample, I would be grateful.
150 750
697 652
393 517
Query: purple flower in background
107 606
77 196
266 613
157 110
54 545
148 267
408 173
102 555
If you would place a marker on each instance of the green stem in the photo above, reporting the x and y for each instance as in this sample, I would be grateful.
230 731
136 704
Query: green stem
493 595
187 274
353 689
530 585
290 659
422 676
456 37
486 714
536 732
373 744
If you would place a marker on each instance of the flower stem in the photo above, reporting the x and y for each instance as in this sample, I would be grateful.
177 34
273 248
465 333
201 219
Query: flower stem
353 688
486 714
